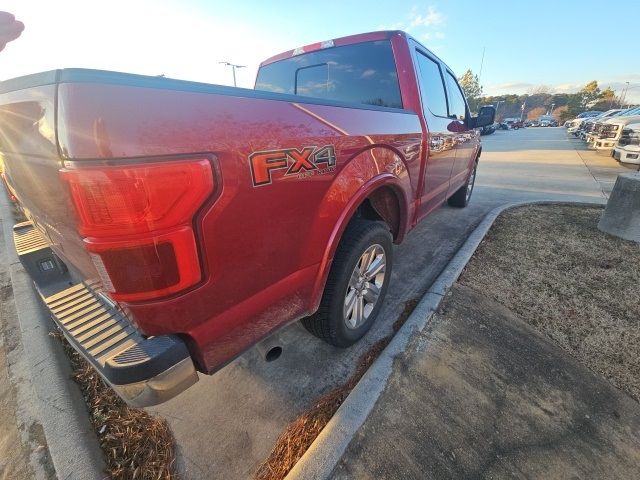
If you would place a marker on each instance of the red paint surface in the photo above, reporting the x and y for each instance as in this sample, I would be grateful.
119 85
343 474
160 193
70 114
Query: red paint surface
264 250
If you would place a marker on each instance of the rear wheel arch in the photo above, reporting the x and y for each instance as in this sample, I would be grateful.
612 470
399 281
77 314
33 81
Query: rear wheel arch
384 204
368 203
358 279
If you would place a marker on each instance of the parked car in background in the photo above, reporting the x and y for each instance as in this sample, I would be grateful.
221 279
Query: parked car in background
574 124
547 121
593 126
513 123
612 130
580 125
488 129
590 113
173 224
627 150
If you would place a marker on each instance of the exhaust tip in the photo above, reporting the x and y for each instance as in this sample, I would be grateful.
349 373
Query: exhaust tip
273 354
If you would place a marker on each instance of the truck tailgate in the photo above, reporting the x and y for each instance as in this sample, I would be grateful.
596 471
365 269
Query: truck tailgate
142 370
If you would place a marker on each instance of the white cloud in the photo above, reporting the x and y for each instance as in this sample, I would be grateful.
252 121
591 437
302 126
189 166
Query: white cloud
393 26
427 36
420 24
510 87
432 17
567 87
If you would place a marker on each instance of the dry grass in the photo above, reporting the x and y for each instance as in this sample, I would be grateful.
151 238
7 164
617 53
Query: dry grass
301 433
136 445
577 285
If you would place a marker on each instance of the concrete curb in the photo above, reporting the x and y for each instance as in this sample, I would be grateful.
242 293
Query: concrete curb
326 451
72 443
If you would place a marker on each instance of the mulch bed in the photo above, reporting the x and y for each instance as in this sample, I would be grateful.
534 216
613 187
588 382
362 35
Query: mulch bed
301 433
136 445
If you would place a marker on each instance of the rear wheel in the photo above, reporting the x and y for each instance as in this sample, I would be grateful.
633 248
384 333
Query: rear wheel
461 198
356 286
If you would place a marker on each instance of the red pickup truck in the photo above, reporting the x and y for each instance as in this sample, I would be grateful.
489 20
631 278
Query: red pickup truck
173 225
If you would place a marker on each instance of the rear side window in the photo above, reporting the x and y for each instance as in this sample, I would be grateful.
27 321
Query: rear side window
457 105
360 73
431 85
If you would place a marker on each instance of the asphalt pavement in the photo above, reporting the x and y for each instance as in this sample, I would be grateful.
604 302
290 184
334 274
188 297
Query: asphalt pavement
226 424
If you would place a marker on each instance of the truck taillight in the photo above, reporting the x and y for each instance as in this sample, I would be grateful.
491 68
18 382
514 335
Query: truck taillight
136 221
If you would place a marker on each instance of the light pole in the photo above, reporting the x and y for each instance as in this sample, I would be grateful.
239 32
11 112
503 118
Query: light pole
551 111
624 94
498 106
524 105
626 90
233 68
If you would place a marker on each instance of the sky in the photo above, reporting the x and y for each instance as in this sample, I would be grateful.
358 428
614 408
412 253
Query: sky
559 44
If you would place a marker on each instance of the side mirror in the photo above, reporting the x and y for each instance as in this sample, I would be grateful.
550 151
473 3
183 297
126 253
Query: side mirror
486 116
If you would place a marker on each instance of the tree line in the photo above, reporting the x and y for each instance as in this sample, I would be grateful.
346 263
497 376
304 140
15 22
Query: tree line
539 100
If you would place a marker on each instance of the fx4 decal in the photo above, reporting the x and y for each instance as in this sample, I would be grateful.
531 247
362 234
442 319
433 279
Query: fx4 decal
301 163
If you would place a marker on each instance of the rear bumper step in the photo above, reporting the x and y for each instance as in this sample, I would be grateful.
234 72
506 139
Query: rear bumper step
143 371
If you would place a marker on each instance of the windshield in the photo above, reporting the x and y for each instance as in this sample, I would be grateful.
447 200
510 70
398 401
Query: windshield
629 111
589 114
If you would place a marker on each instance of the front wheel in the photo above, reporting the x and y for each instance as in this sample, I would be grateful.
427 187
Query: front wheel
461 198
356 286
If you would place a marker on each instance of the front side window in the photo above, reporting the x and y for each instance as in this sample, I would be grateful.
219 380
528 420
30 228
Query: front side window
457 105
431 85
359 73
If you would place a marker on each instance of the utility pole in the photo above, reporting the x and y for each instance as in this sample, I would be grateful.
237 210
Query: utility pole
524 105
624 94
233 68
498 106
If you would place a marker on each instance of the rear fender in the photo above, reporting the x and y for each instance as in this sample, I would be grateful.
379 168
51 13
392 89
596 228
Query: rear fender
364 174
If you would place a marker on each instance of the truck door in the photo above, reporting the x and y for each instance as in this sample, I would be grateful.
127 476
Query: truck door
440 140
466 139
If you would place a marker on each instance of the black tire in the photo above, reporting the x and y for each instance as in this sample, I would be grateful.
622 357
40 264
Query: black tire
461 198
329 323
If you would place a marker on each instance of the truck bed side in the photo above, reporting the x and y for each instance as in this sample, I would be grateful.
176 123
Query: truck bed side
249 236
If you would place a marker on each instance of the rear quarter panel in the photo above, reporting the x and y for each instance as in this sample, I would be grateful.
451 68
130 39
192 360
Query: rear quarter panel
265 249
